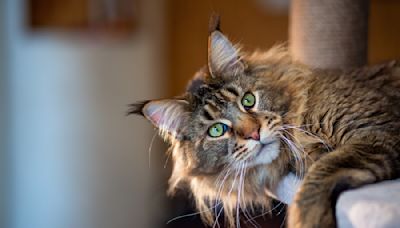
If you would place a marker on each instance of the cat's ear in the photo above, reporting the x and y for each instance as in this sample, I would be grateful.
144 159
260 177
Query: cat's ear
223 56
167 115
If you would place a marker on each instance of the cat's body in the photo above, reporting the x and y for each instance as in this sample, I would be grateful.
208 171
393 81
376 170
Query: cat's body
352 107
357 113
248 120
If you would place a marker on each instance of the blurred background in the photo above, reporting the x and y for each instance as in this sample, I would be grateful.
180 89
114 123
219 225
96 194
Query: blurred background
69 155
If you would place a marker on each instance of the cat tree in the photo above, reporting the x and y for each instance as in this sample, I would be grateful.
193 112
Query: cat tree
329 34
333 34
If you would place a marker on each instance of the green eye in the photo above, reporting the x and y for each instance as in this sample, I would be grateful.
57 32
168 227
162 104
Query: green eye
248 100
217 130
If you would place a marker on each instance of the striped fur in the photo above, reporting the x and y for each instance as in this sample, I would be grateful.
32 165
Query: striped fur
337 130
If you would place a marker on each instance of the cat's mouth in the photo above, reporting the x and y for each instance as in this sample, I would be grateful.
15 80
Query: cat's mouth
265 153
263 145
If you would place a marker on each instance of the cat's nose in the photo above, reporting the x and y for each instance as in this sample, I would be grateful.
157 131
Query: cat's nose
253 135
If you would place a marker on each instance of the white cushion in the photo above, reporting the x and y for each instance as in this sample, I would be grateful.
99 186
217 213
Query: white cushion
372 206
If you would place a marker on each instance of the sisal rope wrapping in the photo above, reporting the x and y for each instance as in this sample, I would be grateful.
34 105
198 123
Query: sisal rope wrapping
329 34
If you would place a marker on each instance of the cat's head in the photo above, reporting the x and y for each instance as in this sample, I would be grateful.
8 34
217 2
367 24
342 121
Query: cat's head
230 122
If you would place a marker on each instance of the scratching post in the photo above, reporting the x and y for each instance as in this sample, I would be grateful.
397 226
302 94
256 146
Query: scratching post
329 34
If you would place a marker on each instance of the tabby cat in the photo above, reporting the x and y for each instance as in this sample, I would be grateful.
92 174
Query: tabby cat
248 120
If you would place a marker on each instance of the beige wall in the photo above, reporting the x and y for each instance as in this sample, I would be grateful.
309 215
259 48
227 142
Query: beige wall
4 168
77 160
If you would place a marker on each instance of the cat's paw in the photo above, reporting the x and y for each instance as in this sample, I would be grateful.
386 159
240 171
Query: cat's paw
311 212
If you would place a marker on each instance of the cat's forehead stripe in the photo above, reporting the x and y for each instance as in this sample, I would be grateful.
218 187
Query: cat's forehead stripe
206 116
219 96
210 106
233 90
212 103
228 95
211 111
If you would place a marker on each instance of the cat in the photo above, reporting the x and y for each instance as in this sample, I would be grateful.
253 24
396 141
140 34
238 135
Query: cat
248 120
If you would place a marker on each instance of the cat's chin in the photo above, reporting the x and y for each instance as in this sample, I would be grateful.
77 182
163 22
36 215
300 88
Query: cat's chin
267 153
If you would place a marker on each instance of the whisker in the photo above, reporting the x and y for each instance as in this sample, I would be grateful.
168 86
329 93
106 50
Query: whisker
223 172
227 172
302 150
293 148
284 219
229 193
328 147
191 214
169 152
269 211
240 153
244 209
151 146
221 185
238 197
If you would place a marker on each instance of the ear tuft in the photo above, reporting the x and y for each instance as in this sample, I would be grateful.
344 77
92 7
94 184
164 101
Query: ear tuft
223 56
214 23
136 108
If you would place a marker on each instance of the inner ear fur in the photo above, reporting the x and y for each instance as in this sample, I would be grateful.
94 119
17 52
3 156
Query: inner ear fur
223 57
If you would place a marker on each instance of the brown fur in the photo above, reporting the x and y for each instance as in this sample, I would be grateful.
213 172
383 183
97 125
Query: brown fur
341 128
358 114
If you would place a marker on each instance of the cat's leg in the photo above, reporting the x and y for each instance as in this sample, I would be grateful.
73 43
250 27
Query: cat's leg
348 167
